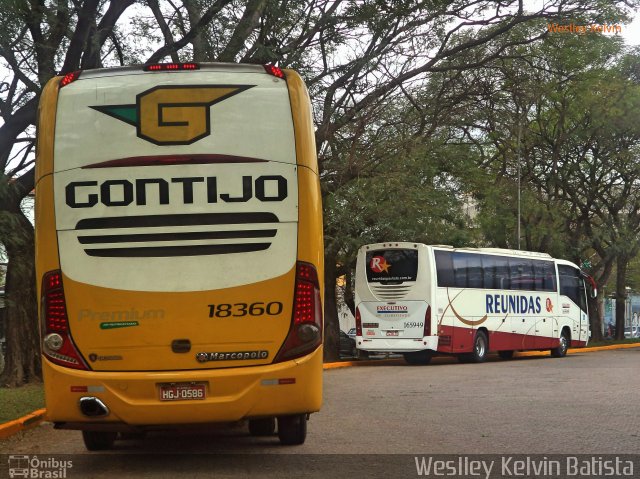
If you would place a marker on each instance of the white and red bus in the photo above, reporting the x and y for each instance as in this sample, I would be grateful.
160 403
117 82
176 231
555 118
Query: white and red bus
420 300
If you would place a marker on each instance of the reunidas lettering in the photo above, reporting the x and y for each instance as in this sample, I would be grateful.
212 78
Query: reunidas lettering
512 303
123 192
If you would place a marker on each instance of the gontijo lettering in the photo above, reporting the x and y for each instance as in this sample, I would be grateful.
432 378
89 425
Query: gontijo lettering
513 303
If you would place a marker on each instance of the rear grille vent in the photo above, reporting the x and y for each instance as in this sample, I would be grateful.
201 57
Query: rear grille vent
444 340
144 236
390 291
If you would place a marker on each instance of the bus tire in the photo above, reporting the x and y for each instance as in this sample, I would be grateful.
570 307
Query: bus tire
561 350
505 354
98 440
417 357
292 430
480 348
262 427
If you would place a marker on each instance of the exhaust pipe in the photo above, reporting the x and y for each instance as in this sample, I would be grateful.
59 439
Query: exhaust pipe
93 407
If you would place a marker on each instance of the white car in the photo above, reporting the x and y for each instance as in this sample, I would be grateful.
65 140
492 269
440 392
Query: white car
632 332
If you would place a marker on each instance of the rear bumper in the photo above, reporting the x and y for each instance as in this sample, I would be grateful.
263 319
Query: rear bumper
397 345
233 394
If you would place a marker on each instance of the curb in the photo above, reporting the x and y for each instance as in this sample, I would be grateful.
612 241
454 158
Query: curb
346 364
36 417
26 422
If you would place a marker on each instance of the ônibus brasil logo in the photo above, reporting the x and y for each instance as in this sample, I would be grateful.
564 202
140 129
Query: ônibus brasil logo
173 115
378 264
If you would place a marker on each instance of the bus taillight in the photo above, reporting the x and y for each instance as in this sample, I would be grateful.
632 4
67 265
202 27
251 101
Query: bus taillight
305 332
427 322
57 343
358 322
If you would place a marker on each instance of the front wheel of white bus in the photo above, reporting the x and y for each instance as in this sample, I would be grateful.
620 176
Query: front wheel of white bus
292 430
561 350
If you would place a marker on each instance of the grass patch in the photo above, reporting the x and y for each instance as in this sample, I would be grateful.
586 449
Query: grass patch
16 402
609 342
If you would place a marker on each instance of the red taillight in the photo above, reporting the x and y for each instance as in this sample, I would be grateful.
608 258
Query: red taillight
427 322
168 67
57 343
305 332
69 78
274 70
358 323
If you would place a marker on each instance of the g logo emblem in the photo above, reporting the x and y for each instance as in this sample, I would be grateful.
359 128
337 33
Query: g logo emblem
173 115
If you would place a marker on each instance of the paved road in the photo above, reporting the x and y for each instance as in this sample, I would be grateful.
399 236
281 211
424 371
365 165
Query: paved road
586 403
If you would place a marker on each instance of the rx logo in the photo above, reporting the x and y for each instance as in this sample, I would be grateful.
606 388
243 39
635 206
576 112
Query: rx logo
173 115
378 264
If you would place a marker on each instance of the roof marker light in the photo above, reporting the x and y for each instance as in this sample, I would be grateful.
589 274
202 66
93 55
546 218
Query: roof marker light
69 78
164 67
274 70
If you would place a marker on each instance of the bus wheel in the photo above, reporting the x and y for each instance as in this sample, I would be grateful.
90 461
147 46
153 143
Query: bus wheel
480 348
505 354
98 440
561 350
292 430
418 357
262 427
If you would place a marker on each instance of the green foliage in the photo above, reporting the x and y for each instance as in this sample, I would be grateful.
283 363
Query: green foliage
17 402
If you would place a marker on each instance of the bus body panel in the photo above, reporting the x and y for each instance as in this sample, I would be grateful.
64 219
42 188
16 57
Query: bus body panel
232 394
126 310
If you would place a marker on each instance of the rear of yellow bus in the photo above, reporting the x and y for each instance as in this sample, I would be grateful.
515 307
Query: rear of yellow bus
179 250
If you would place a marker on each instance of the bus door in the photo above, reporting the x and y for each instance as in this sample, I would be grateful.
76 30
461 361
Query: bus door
574 303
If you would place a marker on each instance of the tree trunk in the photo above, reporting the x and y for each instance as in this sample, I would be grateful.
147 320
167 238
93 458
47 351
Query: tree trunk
331 321
621 294
22 363
595 317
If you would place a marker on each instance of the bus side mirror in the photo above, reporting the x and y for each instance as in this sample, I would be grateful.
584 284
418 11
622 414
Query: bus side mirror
593 292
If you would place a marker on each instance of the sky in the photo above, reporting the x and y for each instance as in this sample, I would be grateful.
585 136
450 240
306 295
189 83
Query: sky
631 32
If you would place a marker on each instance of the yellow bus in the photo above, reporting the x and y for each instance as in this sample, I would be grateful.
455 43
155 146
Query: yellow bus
179 251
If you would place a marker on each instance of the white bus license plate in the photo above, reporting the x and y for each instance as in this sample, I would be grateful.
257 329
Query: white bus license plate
182 391
393 333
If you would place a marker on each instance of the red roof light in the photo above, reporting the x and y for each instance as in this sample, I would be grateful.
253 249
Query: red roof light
163 67
274 70
69 78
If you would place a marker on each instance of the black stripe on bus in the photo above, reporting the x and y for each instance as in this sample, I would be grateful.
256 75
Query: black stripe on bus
167 251
196 235
176 220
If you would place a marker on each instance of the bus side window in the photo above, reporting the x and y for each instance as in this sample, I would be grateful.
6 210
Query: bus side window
474 271
460 269
549 283
489 272
521 274
444 269
502 273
